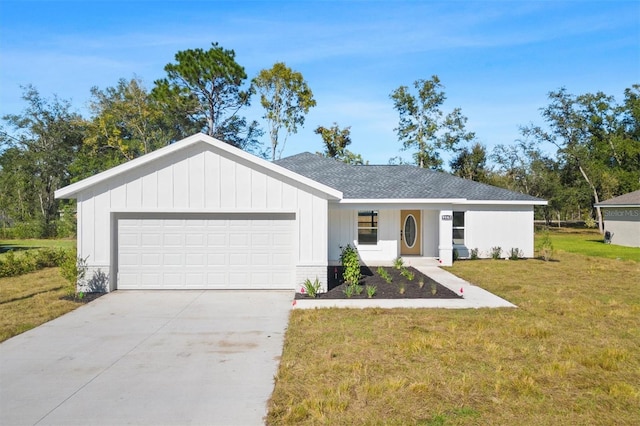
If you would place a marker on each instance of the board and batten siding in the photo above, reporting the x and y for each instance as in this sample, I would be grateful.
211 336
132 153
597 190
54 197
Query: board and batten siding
198 179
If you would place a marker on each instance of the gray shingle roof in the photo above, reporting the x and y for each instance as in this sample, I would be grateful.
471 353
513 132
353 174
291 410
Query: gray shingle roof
393 181
632 198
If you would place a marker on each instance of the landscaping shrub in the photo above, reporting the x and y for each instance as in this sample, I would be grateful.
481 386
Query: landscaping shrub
351 265
515 254
545 247
73 268
12 264
474 254
496 252
312 288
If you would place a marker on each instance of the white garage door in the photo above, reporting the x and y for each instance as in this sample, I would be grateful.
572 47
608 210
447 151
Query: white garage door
216 251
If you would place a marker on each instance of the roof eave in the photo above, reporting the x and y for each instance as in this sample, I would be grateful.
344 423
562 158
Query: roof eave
72 190
459 201
617 205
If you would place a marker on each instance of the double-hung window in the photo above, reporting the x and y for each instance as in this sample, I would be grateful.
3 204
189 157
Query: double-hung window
458 228
368 227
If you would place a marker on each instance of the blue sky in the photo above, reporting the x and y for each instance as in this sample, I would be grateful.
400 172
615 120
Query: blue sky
497 59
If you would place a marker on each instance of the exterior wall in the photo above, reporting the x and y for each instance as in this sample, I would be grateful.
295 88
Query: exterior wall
624 224
506 227
198 179
486 226
430 233
343 230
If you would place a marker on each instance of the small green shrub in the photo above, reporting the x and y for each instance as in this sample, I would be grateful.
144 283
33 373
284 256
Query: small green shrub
12 265
496 252
371 291
421 282
401 288
349 291
434 289
351 265
312 288
590 222
456 255
407 274
545 247
73 268
473 254
357 289
49 257
398 263
384 274
515 254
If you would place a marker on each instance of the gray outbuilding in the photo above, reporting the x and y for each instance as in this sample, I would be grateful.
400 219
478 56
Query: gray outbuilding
622 219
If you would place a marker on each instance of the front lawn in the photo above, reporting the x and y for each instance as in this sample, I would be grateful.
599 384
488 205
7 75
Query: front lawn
31 299
590 243
570 354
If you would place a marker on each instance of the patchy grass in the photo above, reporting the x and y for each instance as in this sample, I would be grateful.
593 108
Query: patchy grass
32 299
20 245
589 242
570 354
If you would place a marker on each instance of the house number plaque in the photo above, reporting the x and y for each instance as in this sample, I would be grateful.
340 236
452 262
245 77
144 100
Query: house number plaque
446 217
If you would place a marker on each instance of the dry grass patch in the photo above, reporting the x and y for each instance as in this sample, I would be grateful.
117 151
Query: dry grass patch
32 299
570 354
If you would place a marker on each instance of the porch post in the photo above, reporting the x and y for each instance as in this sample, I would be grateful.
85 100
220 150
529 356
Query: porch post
445 246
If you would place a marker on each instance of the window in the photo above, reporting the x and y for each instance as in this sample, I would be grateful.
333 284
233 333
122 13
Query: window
458 228
368 227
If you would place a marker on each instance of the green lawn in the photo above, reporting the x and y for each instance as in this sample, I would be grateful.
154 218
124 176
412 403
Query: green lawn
589 242
568 355
31 299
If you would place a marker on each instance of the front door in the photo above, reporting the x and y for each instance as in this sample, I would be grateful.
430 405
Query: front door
410 232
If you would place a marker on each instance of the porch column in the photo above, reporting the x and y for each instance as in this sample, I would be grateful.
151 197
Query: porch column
445 246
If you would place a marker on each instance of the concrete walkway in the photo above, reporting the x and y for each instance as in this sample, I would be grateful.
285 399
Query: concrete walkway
473 296
148 358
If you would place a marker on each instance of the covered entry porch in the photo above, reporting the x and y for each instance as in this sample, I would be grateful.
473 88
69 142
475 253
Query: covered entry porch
420 234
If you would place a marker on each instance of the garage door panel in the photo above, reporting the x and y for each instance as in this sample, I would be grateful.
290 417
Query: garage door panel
173 240
220 253
151 259
217 240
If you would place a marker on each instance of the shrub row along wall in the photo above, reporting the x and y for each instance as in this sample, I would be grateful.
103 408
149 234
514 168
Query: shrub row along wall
12 264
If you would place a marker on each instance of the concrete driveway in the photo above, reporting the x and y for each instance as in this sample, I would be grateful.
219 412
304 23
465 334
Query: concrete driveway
148 357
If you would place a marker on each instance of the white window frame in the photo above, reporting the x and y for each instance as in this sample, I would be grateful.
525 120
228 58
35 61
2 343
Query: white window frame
370 213
458 228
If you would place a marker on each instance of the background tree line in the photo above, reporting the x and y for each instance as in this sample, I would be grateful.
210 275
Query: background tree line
48 146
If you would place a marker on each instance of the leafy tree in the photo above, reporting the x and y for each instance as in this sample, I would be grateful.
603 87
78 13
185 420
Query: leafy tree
286 98
336 141
127 123
35 159
424 126
471 163
523 167
592 138
204 87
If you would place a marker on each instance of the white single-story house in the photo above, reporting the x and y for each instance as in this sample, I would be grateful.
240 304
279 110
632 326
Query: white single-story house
201 214
622 219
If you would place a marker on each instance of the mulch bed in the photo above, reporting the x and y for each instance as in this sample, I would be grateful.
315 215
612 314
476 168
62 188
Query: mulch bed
88 297
430 290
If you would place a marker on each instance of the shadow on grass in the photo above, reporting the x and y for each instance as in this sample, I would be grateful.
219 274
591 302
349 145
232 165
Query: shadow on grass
27 296
6 248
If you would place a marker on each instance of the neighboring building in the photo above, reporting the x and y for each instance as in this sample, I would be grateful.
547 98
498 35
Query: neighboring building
202 214
622 219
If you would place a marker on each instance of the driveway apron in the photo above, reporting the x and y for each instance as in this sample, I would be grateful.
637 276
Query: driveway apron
148 357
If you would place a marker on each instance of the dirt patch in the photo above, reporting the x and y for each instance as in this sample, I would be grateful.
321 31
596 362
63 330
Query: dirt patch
400 287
